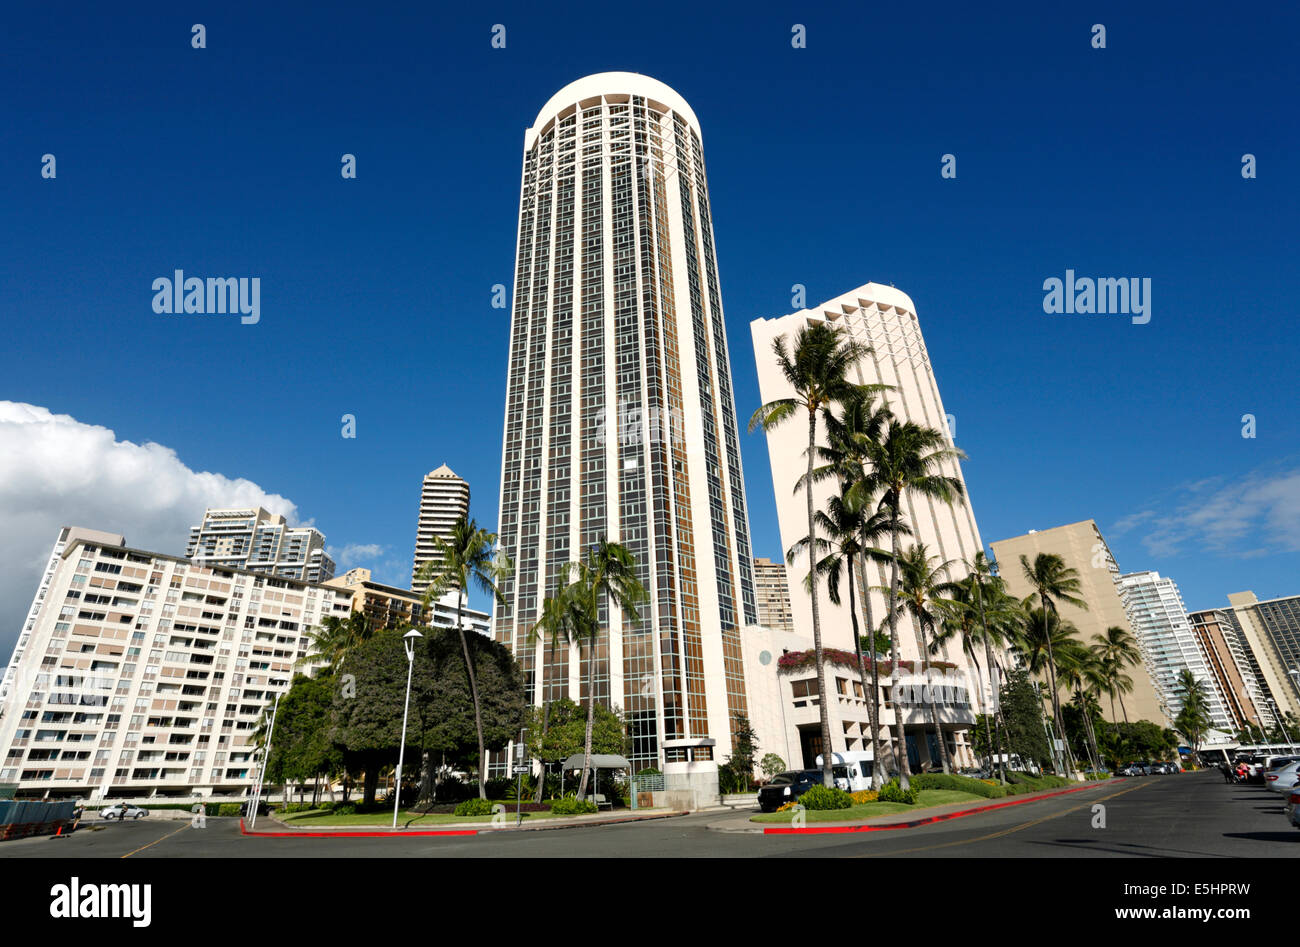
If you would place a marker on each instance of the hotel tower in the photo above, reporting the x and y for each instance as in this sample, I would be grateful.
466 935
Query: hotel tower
620 420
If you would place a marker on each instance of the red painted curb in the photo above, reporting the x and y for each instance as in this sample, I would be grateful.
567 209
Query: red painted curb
926 821
401 833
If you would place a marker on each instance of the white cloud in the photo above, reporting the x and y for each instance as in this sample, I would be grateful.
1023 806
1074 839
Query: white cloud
1257 515
57 471
354 554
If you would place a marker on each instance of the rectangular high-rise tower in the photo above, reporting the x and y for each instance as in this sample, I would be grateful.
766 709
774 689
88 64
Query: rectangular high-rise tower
620 420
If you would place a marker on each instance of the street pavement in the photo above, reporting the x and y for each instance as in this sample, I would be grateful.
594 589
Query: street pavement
1188 815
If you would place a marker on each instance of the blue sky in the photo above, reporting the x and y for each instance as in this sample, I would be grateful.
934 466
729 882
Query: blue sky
823 170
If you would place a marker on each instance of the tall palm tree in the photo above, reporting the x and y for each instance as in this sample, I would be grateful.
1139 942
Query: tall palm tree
1042 635
907 459
966 618
1194 718
467 556
1053 581
923 586
1118 649
1076 674
817 369
561 619
609 570
335 637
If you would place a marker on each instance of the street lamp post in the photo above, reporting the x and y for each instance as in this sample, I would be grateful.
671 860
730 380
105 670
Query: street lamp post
266 758
408 642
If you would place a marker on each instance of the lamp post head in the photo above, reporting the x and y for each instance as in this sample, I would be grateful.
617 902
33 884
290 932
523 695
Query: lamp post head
408 642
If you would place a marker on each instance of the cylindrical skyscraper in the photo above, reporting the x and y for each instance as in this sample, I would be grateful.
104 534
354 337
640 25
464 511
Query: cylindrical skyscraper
620 420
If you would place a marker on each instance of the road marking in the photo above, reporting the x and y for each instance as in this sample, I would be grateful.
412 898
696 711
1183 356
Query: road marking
1004 832
184 826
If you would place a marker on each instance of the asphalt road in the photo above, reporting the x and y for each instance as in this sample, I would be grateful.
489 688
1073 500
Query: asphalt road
1190 815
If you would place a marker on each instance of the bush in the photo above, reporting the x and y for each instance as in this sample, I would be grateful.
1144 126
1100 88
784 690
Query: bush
345 809
474 806
229 808
893 792
863 796
497 788
976 787
649 771
572 805
825 797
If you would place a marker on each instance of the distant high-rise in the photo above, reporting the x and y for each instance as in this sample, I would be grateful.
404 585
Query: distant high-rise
620 420
444 498
253 539
1083 549
1225 652
1272 630
772 594
1159 619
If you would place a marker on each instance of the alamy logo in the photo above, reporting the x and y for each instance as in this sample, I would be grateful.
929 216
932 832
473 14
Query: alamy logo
103 900
210 296
1103 295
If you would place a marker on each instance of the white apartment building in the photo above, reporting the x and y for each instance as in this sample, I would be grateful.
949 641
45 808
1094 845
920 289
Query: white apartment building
444 498
885 319
259 541
1169 644
145 673
620 420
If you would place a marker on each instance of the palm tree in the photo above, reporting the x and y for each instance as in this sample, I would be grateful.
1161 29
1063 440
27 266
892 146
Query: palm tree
907 459
966 617
468 555
561 620
334 638
1076 674
1193 719
608 570
1053 581
817 369
923 586
1041 635
1118 650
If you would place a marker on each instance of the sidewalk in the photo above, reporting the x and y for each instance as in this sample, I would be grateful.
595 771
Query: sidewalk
740 823
272 827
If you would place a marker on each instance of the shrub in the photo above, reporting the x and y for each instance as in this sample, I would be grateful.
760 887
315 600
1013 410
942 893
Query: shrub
893 792
572 805
649 771
474 806
976 787
863 796
825 797
229 808
771 764
345 809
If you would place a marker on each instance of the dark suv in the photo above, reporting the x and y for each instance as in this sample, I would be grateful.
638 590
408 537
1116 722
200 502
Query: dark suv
787 787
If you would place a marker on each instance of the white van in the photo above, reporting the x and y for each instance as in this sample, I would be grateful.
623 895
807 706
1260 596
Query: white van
851 769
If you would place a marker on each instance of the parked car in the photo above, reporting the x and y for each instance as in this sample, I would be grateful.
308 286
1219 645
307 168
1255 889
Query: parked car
1131 769
1165 768
1284 777
787 787
122 811
1293 805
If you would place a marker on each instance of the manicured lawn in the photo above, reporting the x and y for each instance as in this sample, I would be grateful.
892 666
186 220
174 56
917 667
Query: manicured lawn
925 799
416 819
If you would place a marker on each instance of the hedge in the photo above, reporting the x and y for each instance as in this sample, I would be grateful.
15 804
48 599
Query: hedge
959 783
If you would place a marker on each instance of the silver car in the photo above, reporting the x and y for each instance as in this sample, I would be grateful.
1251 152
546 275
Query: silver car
122 811
1284 778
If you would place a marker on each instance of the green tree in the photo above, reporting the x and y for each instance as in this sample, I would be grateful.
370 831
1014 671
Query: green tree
1194 717
334 638
565 734
771 765
908 460
467 556
444 716
300 747
1117 650
1052 581
737 773
1022 710
817 369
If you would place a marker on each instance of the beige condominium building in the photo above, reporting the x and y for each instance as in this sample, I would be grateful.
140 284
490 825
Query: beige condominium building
1224 652
1272 630
885 319
253 539
147 674
620 421
444 498
772 595
387 606
1083 549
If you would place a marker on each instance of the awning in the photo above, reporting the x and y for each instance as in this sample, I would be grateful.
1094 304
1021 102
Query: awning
598 761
